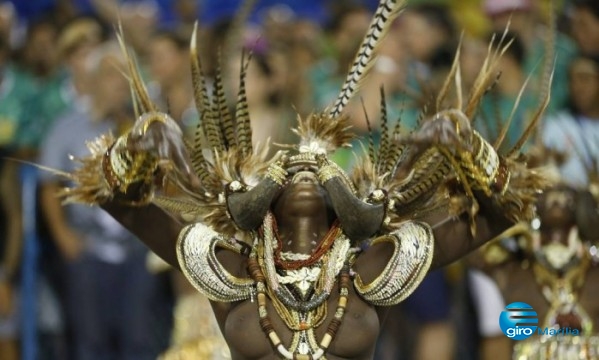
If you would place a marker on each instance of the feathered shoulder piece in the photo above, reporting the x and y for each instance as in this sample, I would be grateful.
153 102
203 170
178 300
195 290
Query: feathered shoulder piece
442 177
221 150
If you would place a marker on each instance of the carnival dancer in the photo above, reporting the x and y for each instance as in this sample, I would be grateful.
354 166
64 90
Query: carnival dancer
299 259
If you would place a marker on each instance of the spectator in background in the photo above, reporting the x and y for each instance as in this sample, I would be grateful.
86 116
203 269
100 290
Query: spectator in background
344 33
169 69
17 91
75 43
525 22
112 300
42 79
575 130
77 39
425 30
10 207
8 21
294 43
186 13
584 25
139 19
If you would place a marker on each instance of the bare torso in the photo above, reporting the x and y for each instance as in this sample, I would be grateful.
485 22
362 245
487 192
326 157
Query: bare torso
303 220
355 339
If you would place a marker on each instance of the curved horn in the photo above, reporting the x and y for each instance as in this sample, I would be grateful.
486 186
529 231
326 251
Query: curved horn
248 209
359 220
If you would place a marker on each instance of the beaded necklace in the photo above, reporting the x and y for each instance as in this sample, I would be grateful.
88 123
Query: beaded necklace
330 263
561 284
303 315
303 345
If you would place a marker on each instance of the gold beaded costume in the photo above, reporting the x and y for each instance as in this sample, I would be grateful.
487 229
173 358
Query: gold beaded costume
559 248
560 272
445 176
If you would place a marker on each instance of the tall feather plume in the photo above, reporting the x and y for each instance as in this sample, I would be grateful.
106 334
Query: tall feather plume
138 86
453 74
202 103
458 76
385 141
212 125
533 123
235 34
505 127
386 12
200 91
198 161
486 74
224 119
547 80
228 128
371 149
395 152
242 115
232 44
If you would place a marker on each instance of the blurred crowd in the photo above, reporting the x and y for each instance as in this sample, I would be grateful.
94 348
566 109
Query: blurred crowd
98 293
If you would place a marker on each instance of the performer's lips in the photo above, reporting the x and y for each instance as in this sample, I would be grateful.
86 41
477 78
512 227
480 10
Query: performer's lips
304 177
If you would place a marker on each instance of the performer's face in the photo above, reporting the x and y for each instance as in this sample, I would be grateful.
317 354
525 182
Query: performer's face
557 207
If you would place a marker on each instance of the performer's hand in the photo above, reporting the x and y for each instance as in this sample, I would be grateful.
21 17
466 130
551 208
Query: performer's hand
159 135
449 129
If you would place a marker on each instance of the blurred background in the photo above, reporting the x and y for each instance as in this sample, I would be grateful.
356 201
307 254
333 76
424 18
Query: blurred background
74 285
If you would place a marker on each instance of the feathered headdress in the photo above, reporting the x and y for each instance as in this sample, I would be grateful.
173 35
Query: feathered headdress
380 186
222 151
